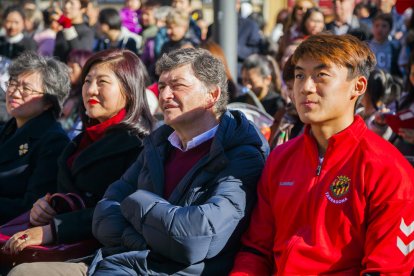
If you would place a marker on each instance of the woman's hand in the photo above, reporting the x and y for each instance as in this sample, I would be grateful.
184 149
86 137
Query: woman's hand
42 213
407 134
33 236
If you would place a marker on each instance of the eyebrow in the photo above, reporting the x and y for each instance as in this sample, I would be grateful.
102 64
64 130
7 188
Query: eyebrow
178 79
98 76
173 81
317 67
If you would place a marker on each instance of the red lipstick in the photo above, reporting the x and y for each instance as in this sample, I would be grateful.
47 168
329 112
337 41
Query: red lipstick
92 102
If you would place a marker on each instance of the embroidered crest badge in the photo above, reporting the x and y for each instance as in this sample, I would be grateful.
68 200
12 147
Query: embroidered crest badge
338 189
23 149
340 186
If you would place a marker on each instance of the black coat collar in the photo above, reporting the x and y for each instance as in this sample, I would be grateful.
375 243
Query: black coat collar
112 143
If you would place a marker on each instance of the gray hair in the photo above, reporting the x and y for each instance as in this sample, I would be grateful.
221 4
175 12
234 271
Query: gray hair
208 69
54 74
161 12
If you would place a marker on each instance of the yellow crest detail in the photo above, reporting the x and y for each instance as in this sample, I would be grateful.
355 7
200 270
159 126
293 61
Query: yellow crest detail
340 186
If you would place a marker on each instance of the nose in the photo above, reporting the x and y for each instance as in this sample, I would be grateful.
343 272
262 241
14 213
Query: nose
308 86
166 93
90 88
13 91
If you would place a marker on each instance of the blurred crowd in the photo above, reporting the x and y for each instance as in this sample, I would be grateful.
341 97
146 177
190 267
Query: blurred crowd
95 82
77 29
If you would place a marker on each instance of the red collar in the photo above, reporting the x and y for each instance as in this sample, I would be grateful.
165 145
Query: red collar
97 131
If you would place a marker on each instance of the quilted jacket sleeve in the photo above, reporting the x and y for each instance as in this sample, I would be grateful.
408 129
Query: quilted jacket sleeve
109 224
193 233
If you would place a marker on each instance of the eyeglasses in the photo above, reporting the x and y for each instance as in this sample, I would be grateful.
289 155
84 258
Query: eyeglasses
25 91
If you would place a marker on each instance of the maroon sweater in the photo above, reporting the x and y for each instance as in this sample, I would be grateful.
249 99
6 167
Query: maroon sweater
179 163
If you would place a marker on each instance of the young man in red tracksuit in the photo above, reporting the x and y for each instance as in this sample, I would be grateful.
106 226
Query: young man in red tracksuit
338 199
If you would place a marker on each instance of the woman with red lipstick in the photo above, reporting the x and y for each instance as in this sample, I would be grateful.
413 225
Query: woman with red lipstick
116 118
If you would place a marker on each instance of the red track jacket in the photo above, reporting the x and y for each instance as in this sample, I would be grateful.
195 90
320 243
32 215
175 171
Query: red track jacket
351 214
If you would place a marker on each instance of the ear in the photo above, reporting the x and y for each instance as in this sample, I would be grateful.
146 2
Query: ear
360 86
104 27
213 96
268 80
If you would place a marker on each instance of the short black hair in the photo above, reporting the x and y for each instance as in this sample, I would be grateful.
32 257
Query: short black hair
14 8
386 17
110 17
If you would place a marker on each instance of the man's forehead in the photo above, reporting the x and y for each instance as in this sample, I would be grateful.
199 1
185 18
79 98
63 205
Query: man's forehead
184 72
312 63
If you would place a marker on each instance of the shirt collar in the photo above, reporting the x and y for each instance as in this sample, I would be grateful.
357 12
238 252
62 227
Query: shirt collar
198 140
15 39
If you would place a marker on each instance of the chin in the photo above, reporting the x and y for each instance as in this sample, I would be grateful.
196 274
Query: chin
306 119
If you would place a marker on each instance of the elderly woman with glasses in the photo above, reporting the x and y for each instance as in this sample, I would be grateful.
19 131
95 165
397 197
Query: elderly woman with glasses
32 140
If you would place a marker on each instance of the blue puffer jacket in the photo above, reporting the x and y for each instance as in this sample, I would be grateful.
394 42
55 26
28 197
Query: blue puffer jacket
197 230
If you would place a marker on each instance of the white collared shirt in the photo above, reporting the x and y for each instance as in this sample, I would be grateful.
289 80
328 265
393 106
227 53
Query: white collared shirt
198 140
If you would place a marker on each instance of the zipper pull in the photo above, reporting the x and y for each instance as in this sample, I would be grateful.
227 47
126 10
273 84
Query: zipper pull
318 170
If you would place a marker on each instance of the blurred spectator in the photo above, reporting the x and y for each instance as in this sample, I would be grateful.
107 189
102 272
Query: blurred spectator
258 76
281 22
388 6
131 16
34 22
292 30
161 37
185 6
46 39
385 50
14 41
217 52
407 44
178 32
198 17
92 12
285 55
76 33
114 34
362 12
379 93
290 125
260 21
313 22
70 118
248 39
404 140
149 22
345 22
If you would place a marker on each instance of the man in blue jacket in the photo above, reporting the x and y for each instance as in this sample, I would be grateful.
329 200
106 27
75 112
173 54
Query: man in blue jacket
182 206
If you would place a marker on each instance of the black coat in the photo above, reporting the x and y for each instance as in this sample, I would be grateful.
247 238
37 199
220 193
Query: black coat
28 163
13 50
97 166
83 40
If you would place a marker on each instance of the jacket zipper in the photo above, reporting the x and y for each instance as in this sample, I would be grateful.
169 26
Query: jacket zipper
319 168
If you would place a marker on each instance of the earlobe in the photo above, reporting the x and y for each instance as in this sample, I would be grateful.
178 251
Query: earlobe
213 96
360 86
